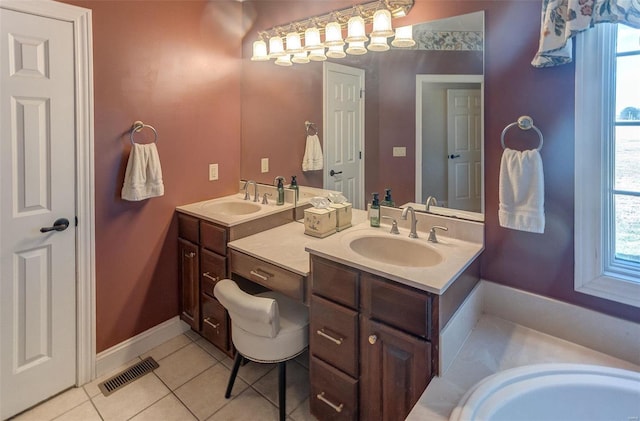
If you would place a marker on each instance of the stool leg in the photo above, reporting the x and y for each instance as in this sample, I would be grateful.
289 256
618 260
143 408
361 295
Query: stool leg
282 389
234 373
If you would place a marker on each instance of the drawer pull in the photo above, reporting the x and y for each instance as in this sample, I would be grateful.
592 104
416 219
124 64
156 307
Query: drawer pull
264 277
190 255
331 338
337 408
373 339
213 325
208 275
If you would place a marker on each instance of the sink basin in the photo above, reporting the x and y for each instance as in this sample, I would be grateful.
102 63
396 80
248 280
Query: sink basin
396 251
232 208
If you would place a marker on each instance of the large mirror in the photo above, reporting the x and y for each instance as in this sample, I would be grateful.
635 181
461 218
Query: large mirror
405 115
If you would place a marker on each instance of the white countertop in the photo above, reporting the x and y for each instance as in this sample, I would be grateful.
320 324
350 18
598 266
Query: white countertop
284 246
436 279
200 210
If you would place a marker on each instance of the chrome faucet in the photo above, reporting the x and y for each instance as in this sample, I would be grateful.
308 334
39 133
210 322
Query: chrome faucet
394 225
255 190
414 221
432 233
431 201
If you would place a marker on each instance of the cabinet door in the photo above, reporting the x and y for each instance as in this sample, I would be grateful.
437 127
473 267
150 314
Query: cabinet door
189 283
395 370
213 268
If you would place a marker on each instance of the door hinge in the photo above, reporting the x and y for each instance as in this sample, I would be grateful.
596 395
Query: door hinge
76 221
360 154
361 93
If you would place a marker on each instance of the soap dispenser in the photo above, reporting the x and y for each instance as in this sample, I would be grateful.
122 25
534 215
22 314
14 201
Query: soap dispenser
280 188
374 211
388 201
294 186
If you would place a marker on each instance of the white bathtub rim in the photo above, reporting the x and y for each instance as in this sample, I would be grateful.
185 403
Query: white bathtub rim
493 384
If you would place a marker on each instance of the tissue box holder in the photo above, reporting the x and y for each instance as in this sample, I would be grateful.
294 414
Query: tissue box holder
343 215
319 222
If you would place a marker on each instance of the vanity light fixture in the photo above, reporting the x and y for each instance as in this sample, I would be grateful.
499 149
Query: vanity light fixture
382 24
284 60
294 44
354 20
356 48
404 37
276 47
378 44
336 51
260 51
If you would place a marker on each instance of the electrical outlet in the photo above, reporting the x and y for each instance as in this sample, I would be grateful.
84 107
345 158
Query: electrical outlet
213 172
264 165
399 151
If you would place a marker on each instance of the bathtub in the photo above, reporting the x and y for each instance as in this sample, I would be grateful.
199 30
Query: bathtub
553 392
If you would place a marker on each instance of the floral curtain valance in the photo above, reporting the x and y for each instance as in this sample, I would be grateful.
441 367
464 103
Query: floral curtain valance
563 19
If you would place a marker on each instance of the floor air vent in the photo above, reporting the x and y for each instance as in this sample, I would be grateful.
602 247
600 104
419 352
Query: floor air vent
129 375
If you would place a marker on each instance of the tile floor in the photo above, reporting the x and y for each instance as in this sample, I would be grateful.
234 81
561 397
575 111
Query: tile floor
189 385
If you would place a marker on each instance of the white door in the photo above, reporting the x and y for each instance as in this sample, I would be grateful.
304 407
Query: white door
37 188
464 149
344 131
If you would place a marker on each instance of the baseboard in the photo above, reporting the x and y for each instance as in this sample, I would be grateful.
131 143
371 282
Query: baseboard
456 332
610 335
114 357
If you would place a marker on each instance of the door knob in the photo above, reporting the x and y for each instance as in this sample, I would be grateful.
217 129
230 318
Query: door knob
332 172
452 156
373 339
58 225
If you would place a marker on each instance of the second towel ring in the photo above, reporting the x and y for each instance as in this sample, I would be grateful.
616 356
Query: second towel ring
138 126
524 123
311 128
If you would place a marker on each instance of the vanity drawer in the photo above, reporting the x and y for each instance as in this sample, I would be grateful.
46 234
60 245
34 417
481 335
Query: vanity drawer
396 305
213 268
268 275
188 228
215 327
335 282
334 334
334 395
213 237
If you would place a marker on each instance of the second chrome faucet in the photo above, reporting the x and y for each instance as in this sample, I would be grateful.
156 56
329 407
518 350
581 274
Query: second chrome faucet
413 233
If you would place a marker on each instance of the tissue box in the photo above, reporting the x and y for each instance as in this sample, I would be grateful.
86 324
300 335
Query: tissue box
343 215
319 222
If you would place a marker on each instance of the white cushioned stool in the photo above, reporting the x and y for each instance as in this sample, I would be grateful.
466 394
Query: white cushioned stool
265 328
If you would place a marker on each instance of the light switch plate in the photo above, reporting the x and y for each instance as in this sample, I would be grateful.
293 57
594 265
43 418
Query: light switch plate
264 165
213 172
399 151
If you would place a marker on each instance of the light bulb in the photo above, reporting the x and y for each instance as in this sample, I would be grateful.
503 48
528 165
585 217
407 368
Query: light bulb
284 60
355 30
276 48
293 43
259 51
312 39
404 37
378 44
356 48
333 34
382 24
336 51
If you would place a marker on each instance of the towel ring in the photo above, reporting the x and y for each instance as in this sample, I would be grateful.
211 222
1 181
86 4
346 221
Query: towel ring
138 126
311 127
524 123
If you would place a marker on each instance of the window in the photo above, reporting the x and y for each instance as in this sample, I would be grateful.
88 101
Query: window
607 160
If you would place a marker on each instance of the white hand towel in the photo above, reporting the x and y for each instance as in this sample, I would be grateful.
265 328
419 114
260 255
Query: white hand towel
143 177
521 190
313 159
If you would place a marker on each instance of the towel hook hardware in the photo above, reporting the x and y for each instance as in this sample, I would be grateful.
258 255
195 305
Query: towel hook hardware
311 128
138 126
524 123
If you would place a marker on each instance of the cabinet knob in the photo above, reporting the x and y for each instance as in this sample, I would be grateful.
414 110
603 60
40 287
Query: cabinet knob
190 255
373 339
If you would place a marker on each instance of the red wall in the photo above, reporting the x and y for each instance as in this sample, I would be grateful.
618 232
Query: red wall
176 66
542 264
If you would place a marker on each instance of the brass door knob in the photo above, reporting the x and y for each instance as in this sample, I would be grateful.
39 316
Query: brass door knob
373 339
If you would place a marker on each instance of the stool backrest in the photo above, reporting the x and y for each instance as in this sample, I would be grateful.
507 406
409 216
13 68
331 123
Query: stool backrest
256 315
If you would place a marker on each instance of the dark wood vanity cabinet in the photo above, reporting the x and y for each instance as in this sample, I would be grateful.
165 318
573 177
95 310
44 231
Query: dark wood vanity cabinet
202 263
372 344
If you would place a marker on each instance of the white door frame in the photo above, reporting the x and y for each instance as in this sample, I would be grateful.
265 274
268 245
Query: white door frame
420 79
326 68
85 202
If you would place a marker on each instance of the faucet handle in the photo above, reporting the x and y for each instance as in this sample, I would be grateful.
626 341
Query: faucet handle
432 233
264 198
394 225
